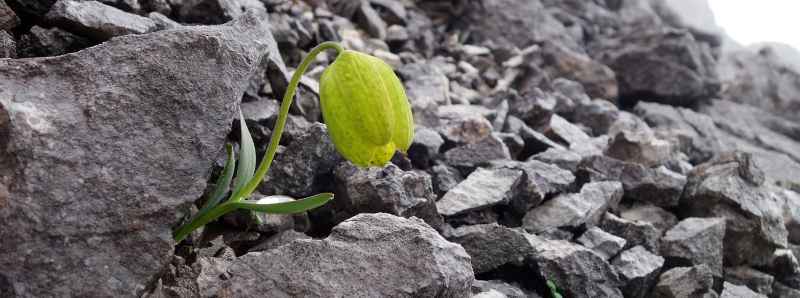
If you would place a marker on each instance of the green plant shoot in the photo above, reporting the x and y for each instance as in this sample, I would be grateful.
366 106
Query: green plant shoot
553 289
368 117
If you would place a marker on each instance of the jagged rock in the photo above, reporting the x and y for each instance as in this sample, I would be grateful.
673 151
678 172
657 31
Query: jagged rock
216 11
540 181
491 246
561 130
634 232
535 142
8 47
730 186
659 186
785 267
734 291
426 88
445 178
563 158
163 22
639 270
783 291
661 219
690 282
473 155
466 130
144 148
535 109
8 18
602 243
559 60
791 212
491 293
35 8
389 189
425 147
41 42
482 189
597 115
695 134
632 140
758 281
571 211
279 239
696 16
370 20
305 161
576 270
695 241
97 20
384 255
504 288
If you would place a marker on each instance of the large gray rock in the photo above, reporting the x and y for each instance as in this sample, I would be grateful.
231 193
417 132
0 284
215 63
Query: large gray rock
97 20
731 187
686 282
632 140
639 270
376 255
601 242
736 291
571 211
695 241
757 281
110 163
483 189
540 181
661 219
633 231
491 246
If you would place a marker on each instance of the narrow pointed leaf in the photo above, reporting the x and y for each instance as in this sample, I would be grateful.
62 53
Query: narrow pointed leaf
247 158
223 182
297 206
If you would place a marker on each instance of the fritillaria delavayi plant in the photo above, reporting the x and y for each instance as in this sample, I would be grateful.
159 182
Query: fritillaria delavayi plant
368 116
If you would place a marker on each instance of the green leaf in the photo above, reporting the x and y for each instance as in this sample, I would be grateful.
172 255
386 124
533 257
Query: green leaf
223 182
265 205
247 158
553 289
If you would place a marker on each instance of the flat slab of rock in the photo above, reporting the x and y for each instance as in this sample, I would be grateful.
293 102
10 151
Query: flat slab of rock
100 148
682 282
97 20
482 189
369 255
571 211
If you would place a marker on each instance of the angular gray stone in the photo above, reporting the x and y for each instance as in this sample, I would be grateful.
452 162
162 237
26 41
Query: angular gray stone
563 158
482 189
215 11
571 211
505 288
491 246
695 241
473 155
41 42
163 22
757 281
659 186
731 186
783 291
280 239
685 282
426 88
144 143
735 291
576 270
661 219
791 212
370 20
633 231
97 20
695 134
383 255
639 270
445 178
425 147
602 243
540 181
389 189
8 47
8 18
632 140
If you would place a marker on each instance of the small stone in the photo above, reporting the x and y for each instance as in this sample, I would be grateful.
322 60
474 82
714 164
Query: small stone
563 158
662 219
758 281
686 282
96 20
571 211
482 189
541 181
632 140
425 147
396 35
509 290
8 18
468 130
733 291
785 267
445 178
369 19
639 270
491 246
604 244
163 22
695 241
427 88
8 48
473 155
783 291
660 186
634 232
41 42
280 239
216 11
791 212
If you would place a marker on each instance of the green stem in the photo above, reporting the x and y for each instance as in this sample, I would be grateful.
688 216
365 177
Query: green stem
272 149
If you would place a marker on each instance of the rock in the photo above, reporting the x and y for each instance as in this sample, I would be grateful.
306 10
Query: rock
639 270
660 186
602 243
734 291
208 272
695 134
482 189
445 178
541 180
632 140
571 211
791 213
384 255
8 18
692 282
695 241
634 232
8 48
597 115
696 16
36 8
667 67
730 186
661 219
536 108
370 21
785 267
781 290
559 60
491 246
561 130
473 155
279 239
145 154
562 158
467 130
389 189
163 22
535 142
576 270
215 11
489 294
392 11
506 289
41 42
97 20
425 147
307 160
262 222
426 88
756 280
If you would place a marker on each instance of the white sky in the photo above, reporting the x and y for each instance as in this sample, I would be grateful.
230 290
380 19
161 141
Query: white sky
751 21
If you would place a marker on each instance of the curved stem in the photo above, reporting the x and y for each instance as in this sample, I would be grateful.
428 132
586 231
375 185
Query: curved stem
202 220
266 162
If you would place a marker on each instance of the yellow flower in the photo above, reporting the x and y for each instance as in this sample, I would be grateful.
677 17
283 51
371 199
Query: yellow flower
366 109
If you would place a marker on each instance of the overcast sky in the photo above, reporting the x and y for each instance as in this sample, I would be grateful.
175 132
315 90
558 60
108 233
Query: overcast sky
751 21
